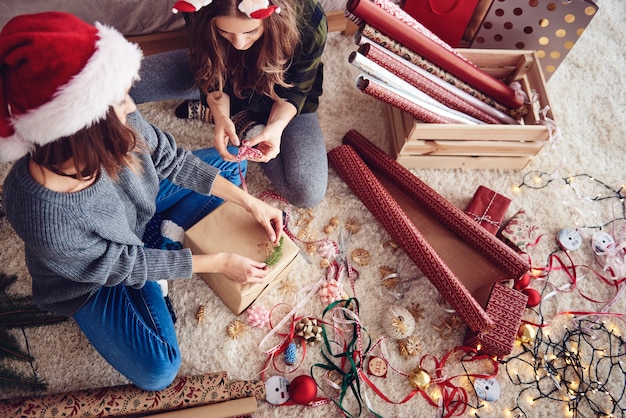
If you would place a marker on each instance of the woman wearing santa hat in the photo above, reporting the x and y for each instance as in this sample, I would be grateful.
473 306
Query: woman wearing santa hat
90 174
254 61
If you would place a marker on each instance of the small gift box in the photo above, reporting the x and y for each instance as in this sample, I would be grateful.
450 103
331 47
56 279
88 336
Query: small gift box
488 208
230 228
520 231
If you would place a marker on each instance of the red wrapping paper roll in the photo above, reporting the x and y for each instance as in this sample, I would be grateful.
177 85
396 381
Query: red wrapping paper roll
377 91
384 208
429 87
392 21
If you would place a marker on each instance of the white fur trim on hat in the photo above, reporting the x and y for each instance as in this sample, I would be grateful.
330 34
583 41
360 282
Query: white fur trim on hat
86 98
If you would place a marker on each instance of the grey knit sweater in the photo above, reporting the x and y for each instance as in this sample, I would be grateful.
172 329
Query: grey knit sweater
77 242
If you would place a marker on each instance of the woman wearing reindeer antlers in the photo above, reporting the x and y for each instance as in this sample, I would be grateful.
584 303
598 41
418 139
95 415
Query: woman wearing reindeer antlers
254 63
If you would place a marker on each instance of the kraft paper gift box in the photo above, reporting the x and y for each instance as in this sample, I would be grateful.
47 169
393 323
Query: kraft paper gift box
488 208
230 228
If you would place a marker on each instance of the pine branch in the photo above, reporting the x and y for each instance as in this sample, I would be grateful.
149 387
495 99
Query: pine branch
276 254
21 312
11 380
10 348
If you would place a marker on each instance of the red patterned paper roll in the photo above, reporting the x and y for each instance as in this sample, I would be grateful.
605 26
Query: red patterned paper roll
376 90
390 19
424 84
386 210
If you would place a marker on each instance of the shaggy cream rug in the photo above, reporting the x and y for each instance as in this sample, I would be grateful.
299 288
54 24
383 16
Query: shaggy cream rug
581 186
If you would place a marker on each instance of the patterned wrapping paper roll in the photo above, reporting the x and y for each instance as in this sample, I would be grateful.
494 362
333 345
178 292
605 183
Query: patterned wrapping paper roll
388 212
421 82
390 19
373 34
402 88
376 90
503 257
124 400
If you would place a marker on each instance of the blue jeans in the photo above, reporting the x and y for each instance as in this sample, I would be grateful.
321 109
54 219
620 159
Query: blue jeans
132 329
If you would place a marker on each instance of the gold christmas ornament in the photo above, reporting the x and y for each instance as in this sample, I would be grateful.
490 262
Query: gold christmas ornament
526 334
417 311
287 286
360 256
398 323
332 225
419 378
236 329
200 314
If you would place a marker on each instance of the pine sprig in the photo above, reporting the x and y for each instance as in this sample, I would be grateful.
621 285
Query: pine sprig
10 381
277 253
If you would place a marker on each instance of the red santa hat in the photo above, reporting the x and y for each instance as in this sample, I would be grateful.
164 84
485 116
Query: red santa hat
58 75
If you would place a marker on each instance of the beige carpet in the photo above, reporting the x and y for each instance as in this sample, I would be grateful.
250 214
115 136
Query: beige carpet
587 94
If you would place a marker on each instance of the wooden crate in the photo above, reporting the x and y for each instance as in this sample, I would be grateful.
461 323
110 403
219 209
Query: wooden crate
430 145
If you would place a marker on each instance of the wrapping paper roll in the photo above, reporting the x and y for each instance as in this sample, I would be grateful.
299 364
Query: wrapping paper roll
124 400
370 33
390 19
372 88
397 88
460 258
435 90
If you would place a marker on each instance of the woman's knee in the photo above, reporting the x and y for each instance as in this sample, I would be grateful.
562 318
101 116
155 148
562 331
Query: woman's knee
158 374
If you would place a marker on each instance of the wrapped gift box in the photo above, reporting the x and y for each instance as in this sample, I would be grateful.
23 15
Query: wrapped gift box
520 231
488 208
124 400
230 228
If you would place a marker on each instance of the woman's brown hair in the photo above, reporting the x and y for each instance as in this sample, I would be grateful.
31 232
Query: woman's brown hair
107 144
259 68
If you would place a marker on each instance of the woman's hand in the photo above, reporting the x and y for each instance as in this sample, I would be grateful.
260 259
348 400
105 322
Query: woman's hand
224 133
268 142
270 218
243 270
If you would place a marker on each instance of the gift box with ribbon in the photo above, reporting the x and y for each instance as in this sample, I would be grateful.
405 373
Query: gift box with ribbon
488 208
520 231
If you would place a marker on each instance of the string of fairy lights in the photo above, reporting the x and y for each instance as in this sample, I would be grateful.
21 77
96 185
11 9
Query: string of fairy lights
582 365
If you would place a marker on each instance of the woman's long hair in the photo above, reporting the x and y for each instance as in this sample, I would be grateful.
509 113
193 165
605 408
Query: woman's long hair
257 69
105 145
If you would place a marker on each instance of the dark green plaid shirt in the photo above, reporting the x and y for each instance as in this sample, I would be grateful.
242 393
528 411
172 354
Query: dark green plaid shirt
305 72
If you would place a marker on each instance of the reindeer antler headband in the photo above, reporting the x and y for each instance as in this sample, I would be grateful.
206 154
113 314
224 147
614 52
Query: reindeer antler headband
254 9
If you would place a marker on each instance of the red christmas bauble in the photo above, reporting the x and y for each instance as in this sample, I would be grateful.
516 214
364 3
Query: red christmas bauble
522 282
533 297
302 389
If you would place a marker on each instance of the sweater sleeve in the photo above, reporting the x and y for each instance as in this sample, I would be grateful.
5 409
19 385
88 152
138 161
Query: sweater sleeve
178 165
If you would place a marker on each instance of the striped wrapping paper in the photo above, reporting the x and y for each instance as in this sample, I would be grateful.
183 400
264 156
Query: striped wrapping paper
374 35
374 88
390 19
443 95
